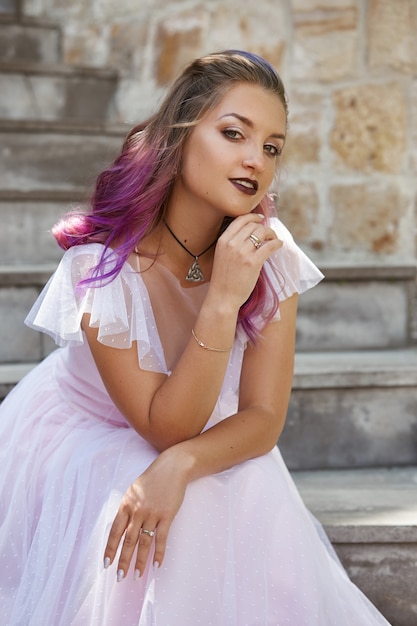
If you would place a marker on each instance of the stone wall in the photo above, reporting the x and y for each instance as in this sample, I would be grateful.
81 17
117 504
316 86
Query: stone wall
348 184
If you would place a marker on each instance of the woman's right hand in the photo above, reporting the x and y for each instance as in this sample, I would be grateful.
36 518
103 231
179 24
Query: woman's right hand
238 261
151 502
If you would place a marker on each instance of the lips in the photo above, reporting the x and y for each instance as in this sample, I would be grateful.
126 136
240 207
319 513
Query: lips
246 185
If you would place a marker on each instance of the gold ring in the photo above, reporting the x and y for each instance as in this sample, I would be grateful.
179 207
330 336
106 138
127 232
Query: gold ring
148 532
255 240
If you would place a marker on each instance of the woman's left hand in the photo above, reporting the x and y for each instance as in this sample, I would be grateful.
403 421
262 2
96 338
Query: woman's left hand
150 504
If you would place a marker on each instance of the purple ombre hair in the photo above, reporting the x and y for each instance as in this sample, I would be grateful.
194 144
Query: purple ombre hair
131 195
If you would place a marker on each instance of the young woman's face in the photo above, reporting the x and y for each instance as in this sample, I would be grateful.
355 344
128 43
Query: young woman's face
231 156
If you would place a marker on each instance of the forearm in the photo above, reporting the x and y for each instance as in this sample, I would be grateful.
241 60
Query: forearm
247 434
182 405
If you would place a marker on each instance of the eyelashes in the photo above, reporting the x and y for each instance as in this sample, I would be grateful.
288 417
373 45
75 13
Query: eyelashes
235 135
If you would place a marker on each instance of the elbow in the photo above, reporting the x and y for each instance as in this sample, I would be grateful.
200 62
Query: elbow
273 430
163 438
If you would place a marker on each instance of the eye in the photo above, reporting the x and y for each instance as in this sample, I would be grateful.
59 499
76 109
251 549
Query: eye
272 149
232 133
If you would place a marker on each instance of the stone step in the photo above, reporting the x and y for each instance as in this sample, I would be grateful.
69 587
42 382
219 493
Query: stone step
28 258
354 308
374 314
352 409
55 92
360 307
10 374
29 40
10 7
35 156
27 219
370 516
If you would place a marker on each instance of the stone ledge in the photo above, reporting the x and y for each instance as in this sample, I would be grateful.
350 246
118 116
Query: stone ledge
57 69
25 275
27 20
371 519
363 272
45 126
11 373
42 195
389 272
377 505
371 368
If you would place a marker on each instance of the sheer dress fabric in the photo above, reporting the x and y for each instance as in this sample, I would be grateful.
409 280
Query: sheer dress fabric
242 551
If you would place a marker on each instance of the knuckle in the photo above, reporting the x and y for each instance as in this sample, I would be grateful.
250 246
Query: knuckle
145 542
129 541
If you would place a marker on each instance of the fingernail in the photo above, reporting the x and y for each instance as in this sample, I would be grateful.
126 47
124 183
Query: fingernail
120 575
155 565
136 575
106 562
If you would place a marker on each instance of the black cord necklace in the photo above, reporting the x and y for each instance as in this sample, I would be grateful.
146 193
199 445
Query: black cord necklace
195 273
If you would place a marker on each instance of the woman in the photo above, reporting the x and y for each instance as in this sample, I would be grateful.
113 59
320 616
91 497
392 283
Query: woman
151 434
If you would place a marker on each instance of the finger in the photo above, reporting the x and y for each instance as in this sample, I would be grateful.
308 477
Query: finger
268 248
131 539
115 536
242 221
161 542
144 546
261 235
270 234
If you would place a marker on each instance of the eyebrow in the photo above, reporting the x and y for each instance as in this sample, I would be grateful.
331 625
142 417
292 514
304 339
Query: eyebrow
249 123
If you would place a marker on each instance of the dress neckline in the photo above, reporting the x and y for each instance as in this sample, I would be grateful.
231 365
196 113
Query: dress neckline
165 270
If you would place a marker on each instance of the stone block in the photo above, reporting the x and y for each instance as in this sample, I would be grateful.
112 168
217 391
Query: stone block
303 142
25 236
54 160
56 96
367 217
9 6
370 129
350 426
17 342
31 97
262 28
178 41
370 517
392 28
25 43
352 409
349 315
127 44
386 574
326 44
298 209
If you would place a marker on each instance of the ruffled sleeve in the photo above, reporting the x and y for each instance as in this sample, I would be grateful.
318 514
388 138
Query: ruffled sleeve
289 269
120 309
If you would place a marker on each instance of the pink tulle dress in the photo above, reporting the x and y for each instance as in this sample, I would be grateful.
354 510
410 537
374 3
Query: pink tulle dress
243 549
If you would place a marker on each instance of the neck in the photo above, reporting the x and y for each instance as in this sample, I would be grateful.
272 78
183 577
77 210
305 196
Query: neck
195 271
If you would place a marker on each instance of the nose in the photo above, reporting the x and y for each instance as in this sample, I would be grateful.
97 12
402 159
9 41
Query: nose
254 159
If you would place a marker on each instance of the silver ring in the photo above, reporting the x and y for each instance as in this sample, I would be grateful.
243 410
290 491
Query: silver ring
148 532
255 240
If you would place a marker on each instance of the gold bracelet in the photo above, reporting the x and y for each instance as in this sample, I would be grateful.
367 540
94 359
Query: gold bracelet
203 345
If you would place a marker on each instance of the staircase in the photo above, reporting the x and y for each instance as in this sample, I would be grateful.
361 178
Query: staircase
350 439
351 436
54 139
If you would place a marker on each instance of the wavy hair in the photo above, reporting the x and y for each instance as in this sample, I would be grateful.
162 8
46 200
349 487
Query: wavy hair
131 195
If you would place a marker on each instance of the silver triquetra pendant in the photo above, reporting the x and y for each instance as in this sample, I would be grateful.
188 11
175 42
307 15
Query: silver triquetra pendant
195 273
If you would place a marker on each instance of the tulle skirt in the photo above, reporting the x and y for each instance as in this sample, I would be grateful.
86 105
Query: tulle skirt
242 551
